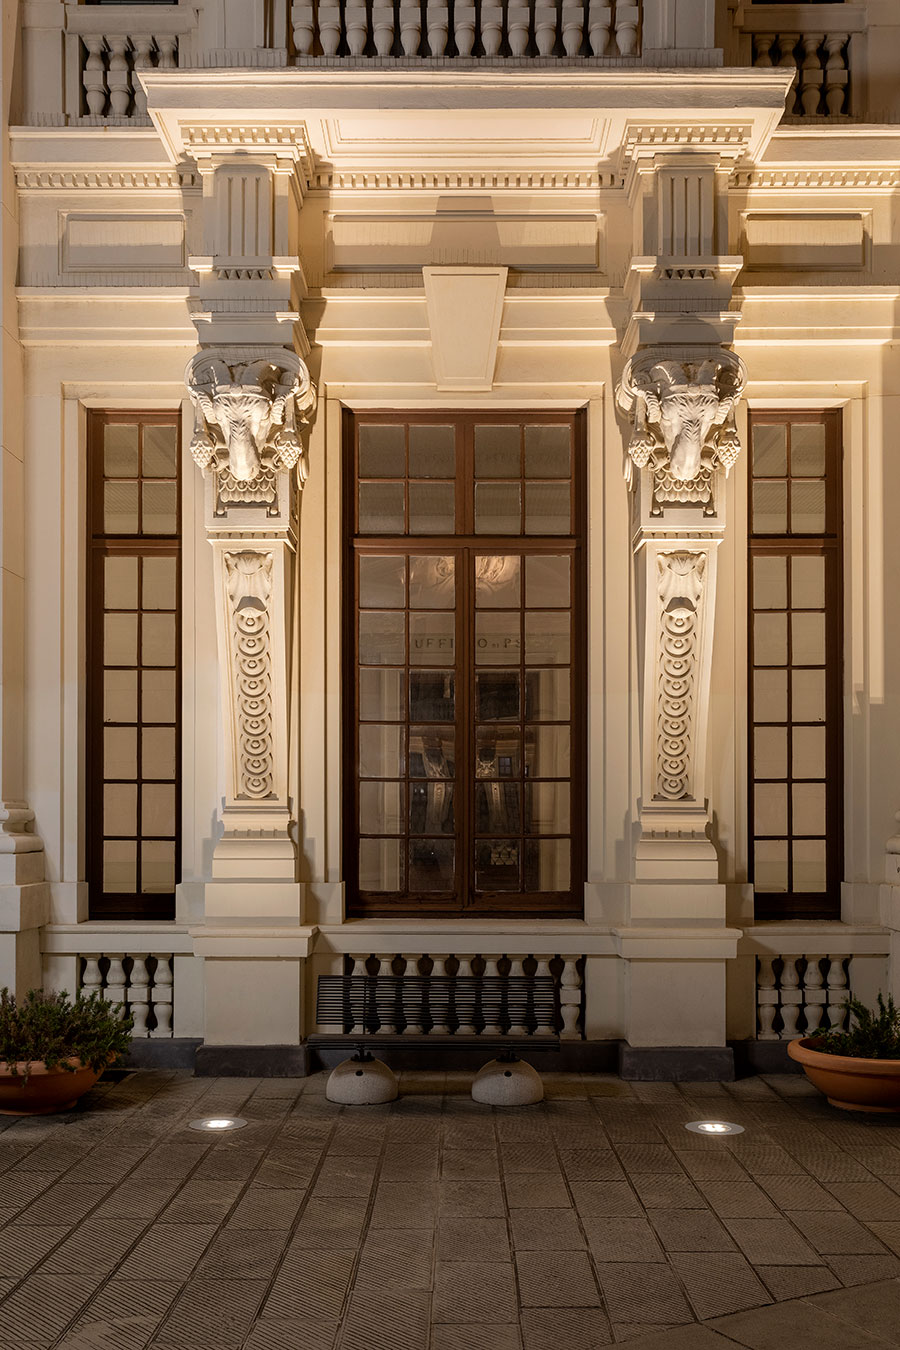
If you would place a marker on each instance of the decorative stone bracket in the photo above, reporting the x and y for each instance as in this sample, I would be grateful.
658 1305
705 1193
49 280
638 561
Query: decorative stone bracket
246 415
682 423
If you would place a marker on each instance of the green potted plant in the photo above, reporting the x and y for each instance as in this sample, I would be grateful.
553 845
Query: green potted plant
53 1048
857 1069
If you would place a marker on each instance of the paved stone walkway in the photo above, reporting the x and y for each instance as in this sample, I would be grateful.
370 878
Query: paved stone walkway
436 1224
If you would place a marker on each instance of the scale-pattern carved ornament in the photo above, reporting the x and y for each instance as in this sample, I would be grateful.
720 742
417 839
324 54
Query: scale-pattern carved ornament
248 581
681 585
246 418
682 422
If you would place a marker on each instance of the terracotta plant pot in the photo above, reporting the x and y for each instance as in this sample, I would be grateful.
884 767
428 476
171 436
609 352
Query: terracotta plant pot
47 1090
852 1084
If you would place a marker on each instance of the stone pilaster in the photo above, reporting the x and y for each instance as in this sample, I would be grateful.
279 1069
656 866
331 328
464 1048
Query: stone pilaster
678 392
24 894
247 442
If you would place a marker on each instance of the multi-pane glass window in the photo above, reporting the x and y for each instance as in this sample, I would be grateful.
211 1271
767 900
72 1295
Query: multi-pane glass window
795 646
134 642
466 678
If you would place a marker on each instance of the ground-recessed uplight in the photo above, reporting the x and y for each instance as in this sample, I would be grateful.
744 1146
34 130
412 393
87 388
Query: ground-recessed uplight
219 1123
714 1127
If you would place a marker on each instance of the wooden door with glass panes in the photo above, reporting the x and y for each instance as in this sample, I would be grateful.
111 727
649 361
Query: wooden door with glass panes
464 689
134 663
796 788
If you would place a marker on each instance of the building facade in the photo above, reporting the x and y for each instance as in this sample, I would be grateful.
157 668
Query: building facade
447 466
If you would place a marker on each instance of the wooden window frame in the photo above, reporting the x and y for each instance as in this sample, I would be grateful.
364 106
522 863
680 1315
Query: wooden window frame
156 906
769 906
513 905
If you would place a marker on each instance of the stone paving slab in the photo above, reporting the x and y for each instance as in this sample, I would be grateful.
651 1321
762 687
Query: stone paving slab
434 1223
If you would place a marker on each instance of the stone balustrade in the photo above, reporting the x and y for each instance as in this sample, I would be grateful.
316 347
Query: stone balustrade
513 29
799 995
815 42
463 995
109 45
143 984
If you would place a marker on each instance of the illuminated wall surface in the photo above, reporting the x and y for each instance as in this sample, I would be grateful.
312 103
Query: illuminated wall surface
448 520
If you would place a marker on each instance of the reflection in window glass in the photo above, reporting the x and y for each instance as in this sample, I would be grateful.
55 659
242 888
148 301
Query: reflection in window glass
498 451
464 666
382 451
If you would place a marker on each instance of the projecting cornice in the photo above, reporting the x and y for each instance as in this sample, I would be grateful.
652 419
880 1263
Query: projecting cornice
555 121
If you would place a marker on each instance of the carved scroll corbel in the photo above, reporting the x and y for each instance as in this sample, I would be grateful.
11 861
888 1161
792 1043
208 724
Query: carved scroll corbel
246 416
682 421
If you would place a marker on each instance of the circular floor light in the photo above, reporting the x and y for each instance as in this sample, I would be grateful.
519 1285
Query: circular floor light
714 1127
218 1124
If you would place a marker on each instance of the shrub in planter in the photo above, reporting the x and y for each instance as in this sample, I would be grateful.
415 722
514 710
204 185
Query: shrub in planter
53 1048
857 1069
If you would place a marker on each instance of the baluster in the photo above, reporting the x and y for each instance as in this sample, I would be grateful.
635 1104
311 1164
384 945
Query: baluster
570 1000
790 997
626 28
763 44
93 76
516 972
386 996
491 1013
814 994
599 25
410 28
545 29
162 996
838 993
167 47
811 73
304 23
411 997
766 998
788 61
518 22
116 981
464 29
330 28
437 19
465 1026
139 995
438 1005
118 77
543 1018
359 972
383 28
491 28
572 27
142 45
357 26
91 978
836 73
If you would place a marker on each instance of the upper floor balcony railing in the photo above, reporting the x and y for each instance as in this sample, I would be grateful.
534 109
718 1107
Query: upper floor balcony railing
462 29
833 48
817 41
